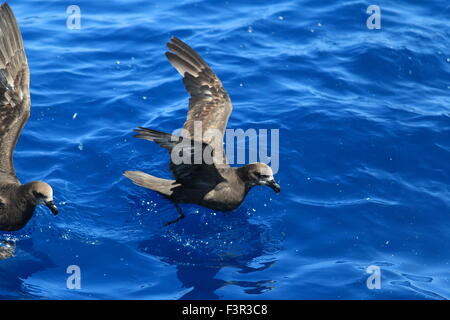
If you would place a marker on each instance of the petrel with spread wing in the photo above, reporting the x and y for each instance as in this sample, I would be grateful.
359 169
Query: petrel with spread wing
17 201
213 184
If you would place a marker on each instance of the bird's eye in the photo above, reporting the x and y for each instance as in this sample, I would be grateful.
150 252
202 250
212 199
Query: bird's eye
264 176
38 194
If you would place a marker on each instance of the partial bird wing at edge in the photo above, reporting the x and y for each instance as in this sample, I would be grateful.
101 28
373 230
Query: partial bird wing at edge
14 89
209 104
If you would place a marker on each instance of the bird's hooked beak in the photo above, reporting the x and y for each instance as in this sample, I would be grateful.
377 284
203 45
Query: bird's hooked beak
275 186
51 205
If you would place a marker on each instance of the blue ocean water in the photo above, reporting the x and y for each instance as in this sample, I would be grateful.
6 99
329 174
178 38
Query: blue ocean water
364 119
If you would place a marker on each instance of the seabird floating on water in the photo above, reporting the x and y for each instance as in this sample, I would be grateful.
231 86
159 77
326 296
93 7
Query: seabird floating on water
212 184
17 201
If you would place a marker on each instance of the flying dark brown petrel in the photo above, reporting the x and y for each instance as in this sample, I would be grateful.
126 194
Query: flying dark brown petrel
210 182
17 201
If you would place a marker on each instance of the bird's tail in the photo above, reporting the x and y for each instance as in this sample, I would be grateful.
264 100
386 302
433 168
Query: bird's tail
163 186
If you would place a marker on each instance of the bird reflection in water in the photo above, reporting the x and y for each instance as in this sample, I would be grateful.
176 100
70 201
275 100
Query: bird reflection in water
204 244
7 248
18 262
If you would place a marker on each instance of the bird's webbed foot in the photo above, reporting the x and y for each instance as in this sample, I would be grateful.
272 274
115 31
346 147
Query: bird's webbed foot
180 216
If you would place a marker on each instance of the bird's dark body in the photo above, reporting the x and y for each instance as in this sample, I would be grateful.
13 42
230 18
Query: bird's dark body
15 210
226 195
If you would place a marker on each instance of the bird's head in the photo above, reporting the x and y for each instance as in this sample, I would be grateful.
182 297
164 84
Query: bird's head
260 174
40 193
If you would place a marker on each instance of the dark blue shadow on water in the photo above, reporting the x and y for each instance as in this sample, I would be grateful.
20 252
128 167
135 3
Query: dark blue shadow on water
202 244
15 270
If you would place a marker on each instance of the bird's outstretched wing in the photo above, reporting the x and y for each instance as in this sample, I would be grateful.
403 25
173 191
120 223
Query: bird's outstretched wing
209 104
14 89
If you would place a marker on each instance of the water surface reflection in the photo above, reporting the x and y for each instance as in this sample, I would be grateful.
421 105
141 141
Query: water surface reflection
203 244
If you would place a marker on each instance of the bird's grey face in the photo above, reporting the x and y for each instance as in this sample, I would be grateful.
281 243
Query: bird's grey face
262 175
42 194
